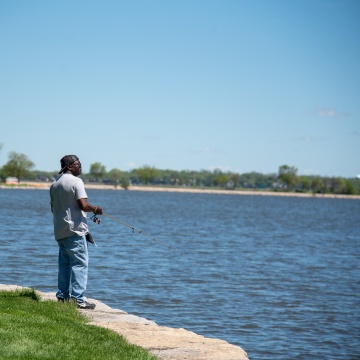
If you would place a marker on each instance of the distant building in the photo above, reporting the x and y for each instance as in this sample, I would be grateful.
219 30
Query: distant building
12 181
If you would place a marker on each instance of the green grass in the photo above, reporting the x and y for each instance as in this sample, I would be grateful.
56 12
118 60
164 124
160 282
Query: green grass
34 329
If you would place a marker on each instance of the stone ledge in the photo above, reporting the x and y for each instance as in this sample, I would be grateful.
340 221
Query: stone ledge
164 342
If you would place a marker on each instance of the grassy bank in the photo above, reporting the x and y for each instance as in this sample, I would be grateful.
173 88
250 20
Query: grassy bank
33 329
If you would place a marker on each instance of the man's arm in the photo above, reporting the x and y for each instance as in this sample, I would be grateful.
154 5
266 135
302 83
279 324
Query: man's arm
87 207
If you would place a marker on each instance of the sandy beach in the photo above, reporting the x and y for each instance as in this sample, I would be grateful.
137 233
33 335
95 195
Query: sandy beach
46 186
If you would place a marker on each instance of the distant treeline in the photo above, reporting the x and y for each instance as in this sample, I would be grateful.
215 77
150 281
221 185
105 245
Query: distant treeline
219 179
286 179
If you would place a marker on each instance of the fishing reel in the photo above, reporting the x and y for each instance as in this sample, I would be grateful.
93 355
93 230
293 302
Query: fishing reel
95 219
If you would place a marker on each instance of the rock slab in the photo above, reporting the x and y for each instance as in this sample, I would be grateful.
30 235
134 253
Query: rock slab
164 342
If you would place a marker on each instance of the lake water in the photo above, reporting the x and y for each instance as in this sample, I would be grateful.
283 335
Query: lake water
278 276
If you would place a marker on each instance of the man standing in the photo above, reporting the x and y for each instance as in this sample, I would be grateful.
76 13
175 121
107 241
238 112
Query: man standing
69 206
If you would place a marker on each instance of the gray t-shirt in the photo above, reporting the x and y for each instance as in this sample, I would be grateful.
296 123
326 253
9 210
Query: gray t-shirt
69 219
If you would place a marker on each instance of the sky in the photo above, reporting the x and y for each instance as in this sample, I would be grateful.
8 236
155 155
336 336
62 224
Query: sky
235 85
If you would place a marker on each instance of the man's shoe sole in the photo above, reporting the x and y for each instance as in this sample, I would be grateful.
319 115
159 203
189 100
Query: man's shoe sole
86 305
62 300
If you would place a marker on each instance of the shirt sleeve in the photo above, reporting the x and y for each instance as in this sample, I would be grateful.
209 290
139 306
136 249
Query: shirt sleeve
80 192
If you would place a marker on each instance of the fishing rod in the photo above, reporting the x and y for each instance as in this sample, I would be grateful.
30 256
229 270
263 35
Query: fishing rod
97 220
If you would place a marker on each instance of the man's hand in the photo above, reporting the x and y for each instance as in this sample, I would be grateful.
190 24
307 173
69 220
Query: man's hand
97 210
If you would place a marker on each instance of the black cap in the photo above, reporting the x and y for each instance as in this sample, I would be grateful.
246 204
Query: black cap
67 160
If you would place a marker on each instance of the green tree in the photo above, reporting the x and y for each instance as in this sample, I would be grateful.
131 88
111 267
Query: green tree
220 178
287 175
115 176
338 185
125 183
97 171
183 178
147 174
248 180
350 187
234 179
317 185
257 180
304 183
19 165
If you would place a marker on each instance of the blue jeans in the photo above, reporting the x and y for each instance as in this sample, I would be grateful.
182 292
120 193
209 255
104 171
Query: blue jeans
73 268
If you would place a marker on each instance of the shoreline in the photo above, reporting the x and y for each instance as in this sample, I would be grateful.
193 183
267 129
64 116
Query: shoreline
46 186
163 342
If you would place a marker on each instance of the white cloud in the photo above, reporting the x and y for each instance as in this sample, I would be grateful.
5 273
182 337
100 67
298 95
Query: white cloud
329 112
131 165
207 150
307 139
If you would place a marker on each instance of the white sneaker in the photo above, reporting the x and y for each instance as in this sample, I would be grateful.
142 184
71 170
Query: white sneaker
86 305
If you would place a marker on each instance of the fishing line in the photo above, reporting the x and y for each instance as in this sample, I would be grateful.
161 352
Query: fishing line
94 218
